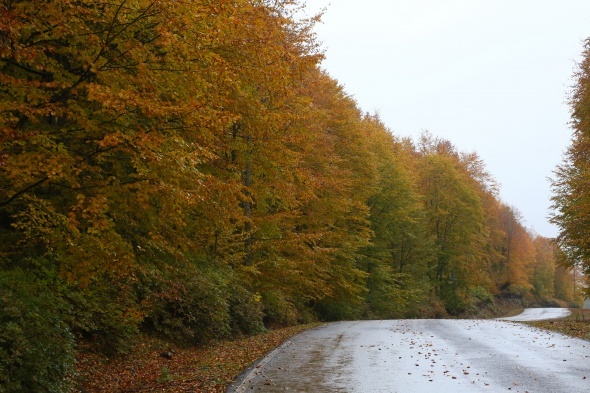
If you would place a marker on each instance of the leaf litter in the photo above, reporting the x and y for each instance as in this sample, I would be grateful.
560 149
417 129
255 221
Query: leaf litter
195 369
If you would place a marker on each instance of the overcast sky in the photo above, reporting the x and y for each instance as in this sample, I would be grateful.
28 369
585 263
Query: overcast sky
491 76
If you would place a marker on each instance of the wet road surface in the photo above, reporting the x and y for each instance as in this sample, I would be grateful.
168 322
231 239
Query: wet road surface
537 314
423 356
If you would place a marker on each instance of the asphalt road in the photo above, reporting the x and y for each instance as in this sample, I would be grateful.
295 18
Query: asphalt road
537 314
423 356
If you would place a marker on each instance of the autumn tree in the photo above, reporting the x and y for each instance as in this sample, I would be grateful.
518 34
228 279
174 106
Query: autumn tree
400 252
125 160
543 277
564 279
455 219
570 192
518 253
97 116
334 221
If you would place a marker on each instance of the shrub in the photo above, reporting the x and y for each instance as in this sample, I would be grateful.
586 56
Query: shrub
36 347
278 310
481 295
430 307
104 312
245 310
454 299
329 309
516 291
189 306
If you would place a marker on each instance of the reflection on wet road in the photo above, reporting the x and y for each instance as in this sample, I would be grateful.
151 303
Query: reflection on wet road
537 314
423 356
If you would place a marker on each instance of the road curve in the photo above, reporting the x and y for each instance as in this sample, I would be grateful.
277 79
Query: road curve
538 314
423 356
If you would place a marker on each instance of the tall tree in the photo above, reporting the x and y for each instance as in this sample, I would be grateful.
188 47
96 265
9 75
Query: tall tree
571 198
518 253
565 279
335 219
398 258
455 220
106 128
544 271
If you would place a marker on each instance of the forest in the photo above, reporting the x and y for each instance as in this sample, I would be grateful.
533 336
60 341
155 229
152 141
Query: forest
186 169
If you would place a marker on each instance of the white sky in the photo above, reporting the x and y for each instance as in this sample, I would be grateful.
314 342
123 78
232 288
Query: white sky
491 76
